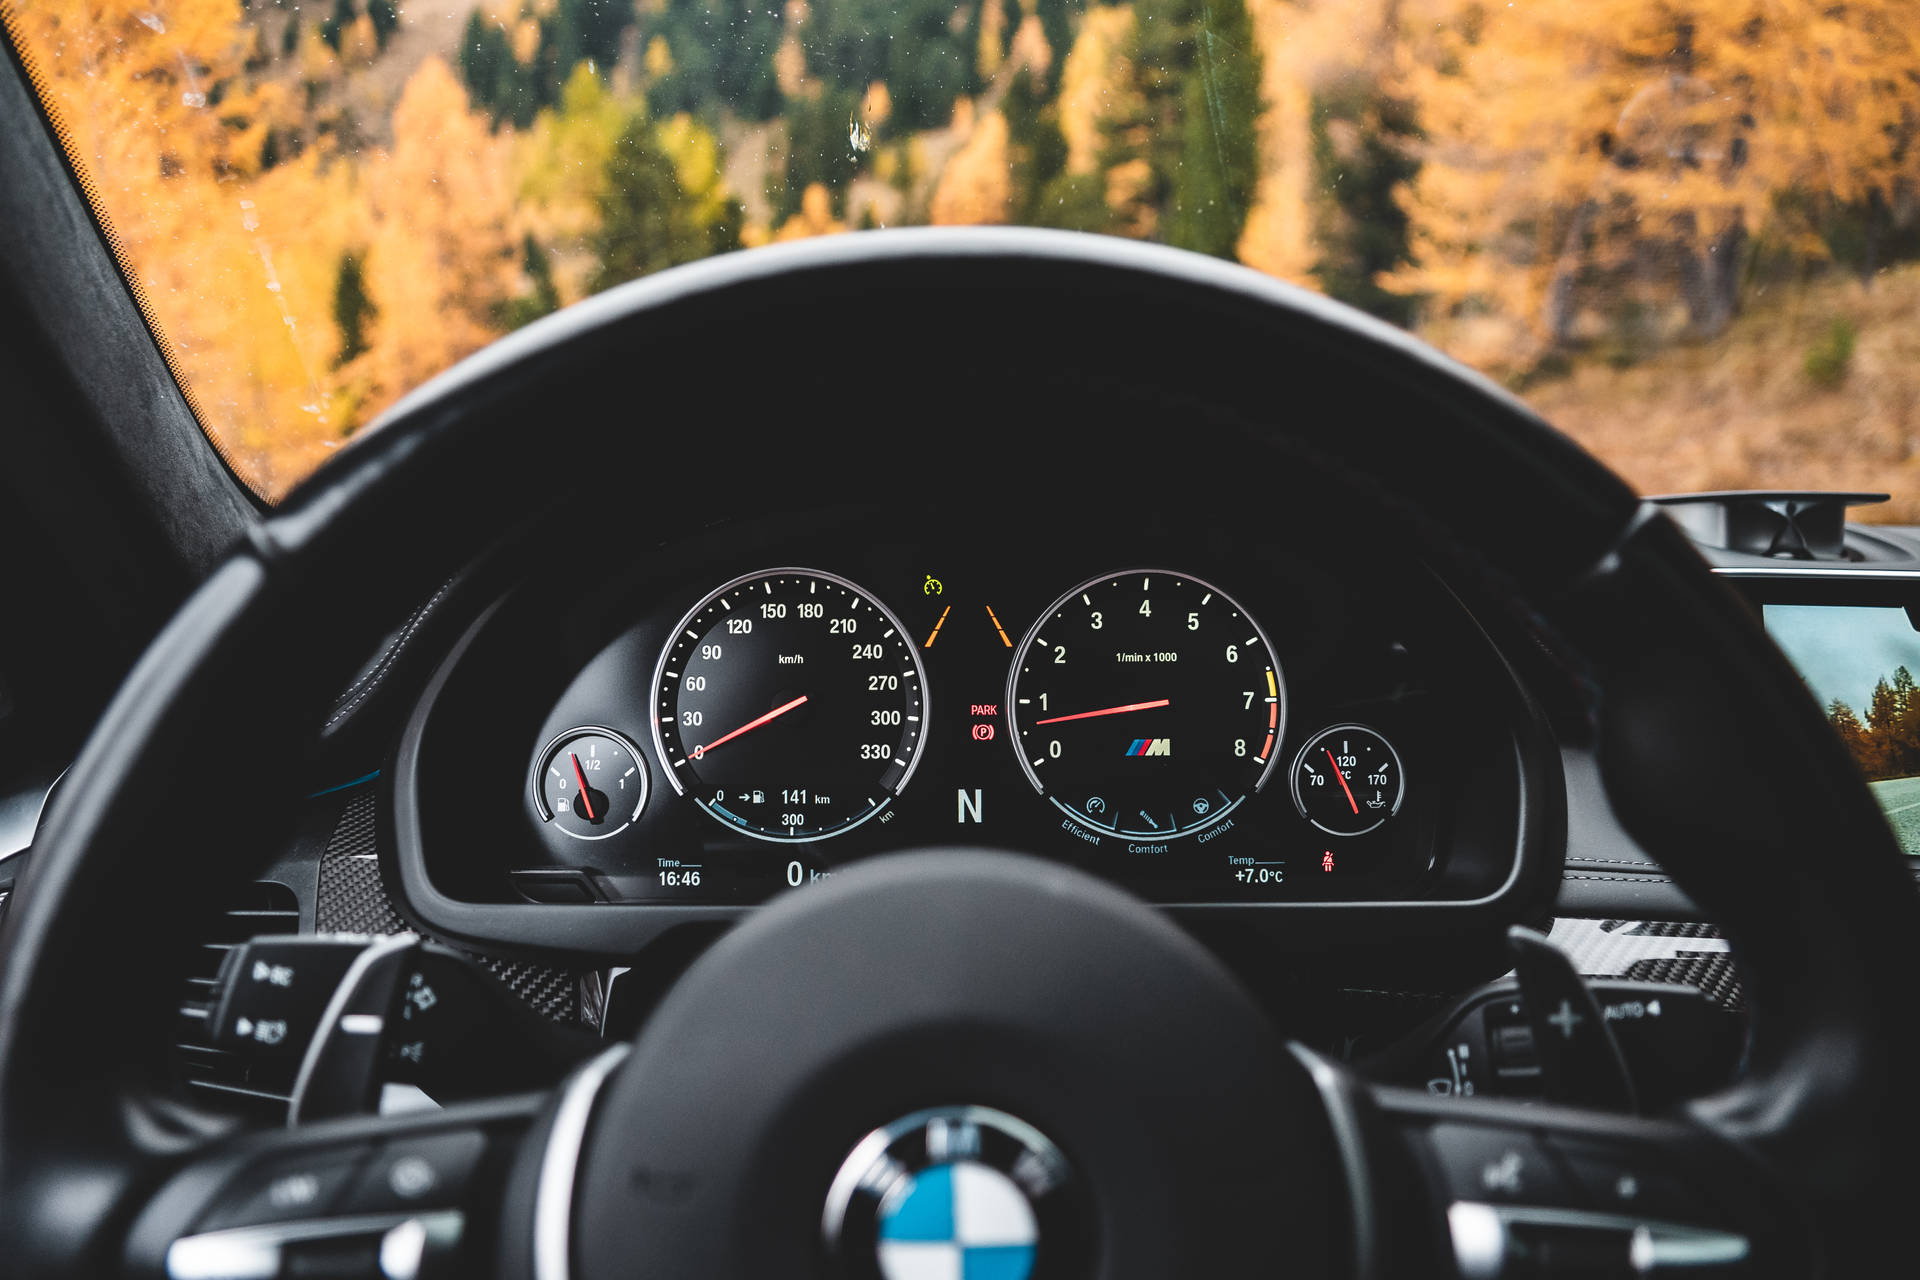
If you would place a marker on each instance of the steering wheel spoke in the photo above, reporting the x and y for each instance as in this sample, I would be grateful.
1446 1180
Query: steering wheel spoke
346 1190
1496 1189
396 1198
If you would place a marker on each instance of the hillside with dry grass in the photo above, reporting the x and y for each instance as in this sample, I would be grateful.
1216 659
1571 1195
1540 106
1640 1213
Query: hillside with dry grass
1817 386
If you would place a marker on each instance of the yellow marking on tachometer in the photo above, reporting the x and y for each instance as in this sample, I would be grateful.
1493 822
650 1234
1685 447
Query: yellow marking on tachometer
936 627
997 627
1273 690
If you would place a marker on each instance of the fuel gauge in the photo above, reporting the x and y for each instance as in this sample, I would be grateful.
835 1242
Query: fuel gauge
1347 780
591 784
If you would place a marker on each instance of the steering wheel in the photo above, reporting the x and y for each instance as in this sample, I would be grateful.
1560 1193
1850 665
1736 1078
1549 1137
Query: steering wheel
1151 1118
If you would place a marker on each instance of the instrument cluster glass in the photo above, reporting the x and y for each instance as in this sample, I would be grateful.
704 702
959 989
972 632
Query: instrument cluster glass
1145 723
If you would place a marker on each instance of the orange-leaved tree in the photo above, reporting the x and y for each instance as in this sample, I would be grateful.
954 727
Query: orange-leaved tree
1592 159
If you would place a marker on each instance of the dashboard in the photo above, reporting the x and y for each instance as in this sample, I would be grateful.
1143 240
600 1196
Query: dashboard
1212 714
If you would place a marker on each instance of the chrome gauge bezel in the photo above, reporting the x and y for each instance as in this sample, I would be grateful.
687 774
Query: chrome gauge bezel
667 759
545 758
1032 633
1318 735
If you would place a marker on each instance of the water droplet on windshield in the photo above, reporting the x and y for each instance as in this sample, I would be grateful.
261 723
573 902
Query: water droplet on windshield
151 21
192 99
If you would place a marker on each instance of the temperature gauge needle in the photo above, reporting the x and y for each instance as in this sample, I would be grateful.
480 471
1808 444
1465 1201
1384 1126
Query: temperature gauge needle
749 726
581 774
1107 711
1343 780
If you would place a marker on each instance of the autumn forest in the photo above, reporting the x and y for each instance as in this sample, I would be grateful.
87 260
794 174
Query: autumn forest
1688 230
1886 743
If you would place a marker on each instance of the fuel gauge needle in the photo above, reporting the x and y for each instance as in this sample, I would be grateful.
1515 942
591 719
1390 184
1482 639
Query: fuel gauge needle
749 726
581 774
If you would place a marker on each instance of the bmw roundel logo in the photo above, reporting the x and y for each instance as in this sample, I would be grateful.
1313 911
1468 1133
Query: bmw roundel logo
954 1193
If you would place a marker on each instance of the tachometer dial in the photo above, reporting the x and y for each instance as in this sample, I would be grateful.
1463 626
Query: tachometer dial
1347 780
790 705
590 784
1146 703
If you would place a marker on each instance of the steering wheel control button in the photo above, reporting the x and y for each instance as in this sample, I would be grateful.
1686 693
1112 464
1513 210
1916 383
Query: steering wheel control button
1496 1242
1503 1166
427 1172
1620 1182
954 1192
382 1247
272 995
286 1191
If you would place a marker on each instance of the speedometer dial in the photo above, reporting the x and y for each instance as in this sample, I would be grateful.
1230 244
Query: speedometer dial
789 705
1146 704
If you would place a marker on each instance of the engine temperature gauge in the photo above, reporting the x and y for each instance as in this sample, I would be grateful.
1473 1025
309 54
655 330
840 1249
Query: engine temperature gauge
591 784
1347 780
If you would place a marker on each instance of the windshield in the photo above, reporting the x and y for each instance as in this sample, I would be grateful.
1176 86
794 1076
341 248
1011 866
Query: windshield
1687 231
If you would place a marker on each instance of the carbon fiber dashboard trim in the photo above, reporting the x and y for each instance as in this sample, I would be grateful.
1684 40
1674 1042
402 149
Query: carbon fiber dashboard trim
353 899
1653 951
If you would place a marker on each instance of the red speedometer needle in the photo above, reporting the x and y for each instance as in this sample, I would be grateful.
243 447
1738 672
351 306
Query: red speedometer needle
1107 711
750 725
581 774
1343 780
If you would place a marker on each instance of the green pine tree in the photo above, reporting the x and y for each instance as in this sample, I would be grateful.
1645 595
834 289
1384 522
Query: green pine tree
646 224
332 29
1196 72
541 297
1361 158
353 309
385 16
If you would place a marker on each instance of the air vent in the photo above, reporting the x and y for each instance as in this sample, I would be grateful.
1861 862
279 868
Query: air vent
260 908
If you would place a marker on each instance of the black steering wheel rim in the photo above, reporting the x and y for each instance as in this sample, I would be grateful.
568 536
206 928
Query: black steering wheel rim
1690 687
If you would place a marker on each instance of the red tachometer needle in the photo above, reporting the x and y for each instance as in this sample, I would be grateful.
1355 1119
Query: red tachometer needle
581 774
1107 711
749 726
1343 780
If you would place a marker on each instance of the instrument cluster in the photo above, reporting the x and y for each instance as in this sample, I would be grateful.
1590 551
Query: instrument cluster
1203 719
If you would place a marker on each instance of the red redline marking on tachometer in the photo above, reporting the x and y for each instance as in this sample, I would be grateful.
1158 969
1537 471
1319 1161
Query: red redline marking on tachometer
1343 778
997 627
753 724
936 627
581 774
1106 711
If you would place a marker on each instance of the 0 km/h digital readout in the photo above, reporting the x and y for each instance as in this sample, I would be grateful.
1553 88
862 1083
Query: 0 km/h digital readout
1146 704
790 705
